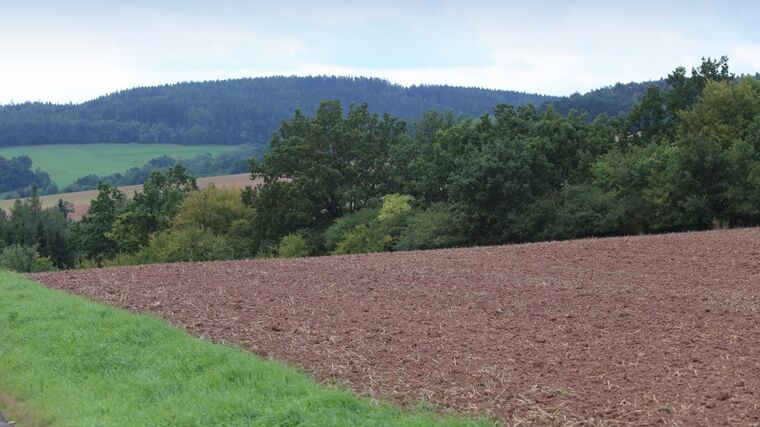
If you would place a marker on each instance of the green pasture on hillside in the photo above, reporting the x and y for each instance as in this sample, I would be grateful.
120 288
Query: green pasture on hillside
67 162
66 361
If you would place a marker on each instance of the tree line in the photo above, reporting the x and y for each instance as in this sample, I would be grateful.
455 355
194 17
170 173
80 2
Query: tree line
249 111
687 157
17 180
233 162
17 176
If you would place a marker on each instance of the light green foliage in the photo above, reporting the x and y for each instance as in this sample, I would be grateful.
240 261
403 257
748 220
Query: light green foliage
394 206
210 209
344 225
371 230
364 239
293 246
222 213
24 259
72 362
67 162
724 112
191 244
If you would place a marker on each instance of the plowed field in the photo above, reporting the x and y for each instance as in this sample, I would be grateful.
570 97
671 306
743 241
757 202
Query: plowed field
636 330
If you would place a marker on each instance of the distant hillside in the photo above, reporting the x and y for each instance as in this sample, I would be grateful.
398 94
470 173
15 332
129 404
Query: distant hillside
615 100
248 111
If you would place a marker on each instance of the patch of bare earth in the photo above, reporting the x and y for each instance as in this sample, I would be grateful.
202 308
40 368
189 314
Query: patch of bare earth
635 330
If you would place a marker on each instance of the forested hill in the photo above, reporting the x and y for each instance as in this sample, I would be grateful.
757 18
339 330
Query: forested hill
614 100
249 110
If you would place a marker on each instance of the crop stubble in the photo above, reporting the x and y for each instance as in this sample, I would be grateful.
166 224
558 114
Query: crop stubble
609 331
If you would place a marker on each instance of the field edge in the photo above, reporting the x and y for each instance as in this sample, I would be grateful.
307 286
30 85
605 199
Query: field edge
20 404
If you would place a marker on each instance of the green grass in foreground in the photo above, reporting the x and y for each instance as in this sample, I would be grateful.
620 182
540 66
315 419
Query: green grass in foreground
67 162
71 362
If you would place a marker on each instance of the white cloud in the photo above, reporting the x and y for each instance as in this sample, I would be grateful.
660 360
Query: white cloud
745 57
73 53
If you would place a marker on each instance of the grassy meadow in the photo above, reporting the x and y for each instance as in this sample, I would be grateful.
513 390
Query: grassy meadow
67 162
66 361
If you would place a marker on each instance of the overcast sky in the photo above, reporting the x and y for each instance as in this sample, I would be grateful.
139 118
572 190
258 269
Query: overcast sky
76 50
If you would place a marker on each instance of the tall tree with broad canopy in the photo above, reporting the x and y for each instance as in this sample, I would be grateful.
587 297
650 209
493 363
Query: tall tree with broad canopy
328 165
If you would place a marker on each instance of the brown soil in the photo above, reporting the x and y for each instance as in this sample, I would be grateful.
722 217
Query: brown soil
635 330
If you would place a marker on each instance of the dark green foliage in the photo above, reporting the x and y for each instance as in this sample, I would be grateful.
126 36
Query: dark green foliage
54 241
41 231
616 100
650 118
281 208
92 233
344 225
17 177
334 165
24 259
152 209
233 162
492 189
3 228
585 210
244 111
433 228
687 157
249 111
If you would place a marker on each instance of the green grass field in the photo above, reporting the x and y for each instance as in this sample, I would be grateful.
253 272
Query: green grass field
67 162
66 361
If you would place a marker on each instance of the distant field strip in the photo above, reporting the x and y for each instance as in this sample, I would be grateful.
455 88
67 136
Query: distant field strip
81 199
67 162
66 361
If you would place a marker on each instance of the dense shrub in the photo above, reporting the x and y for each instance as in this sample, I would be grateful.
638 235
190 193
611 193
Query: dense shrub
293 246
190 244
24 259
211 209
364 239
432 228
346 224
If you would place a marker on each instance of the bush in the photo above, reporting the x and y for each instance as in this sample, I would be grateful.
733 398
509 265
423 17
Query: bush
293 246
433 228
364 239
211 209
342 226
394 206
24 259
191 244
586 211
223 213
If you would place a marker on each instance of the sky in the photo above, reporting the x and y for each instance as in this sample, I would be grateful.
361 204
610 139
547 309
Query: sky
73 51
